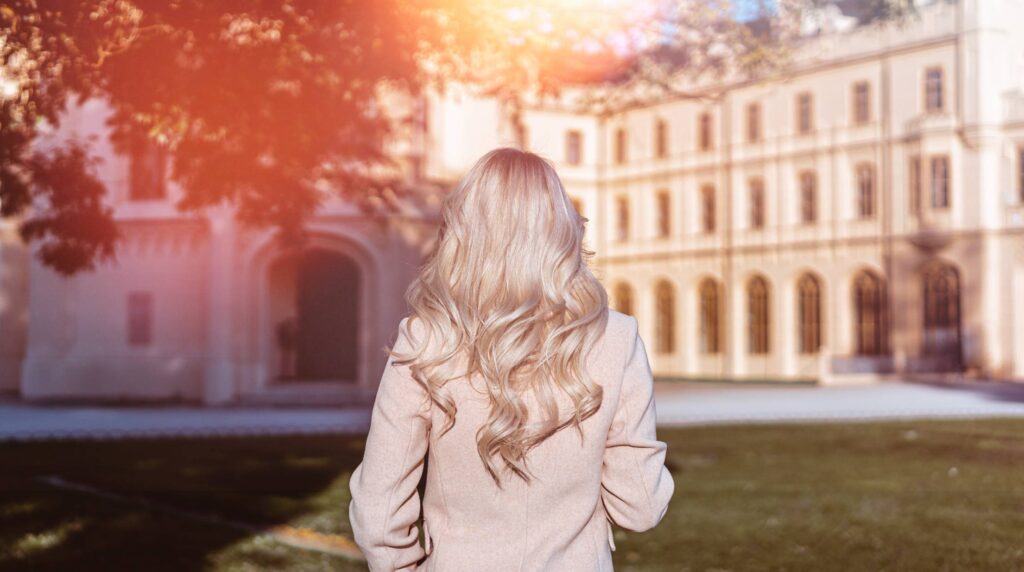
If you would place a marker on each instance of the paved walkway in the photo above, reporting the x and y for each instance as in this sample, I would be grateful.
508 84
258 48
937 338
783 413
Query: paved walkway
677 404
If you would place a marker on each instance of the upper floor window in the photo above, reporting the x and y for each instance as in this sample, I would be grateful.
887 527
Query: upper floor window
620 145
1020 173
914 183
753 122
865 190
707 196
148 176
861 102
574 147
705 137
664 212
140 318
940 182
622 218
661 139
808 197
804 113
756 203
934 97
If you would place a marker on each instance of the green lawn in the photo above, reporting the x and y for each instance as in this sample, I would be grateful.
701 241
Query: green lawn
882 496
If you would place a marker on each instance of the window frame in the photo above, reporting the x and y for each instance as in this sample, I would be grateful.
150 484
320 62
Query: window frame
665 322
705 132
947 192
808 197
664 212
870 179
759 319
661 148
754 119
941 89
710 305
621 155
708 205
570 136
622 215
139 318
756 199
804 113
858 118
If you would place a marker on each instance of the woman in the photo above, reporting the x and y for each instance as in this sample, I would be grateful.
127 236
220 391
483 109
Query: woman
533 399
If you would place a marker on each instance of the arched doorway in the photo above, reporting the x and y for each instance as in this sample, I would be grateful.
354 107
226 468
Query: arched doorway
315 313
941 298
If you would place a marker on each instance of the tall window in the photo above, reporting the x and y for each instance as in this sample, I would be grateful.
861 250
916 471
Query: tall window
869 305
940 182
710 316
140 318
861 102
661 139
664 214
941 293
804 113
756 203
574 147
808 305
753 122
621 218
705 138
620 145
758 320
707 200
147 178
624 298
1020 173
808 197
934 98
865 190
665 303
914 183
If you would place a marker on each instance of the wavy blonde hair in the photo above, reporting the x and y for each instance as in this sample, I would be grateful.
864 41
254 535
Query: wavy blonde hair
508 293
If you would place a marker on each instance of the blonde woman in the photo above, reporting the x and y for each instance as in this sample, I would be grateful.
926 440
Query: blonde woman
531 400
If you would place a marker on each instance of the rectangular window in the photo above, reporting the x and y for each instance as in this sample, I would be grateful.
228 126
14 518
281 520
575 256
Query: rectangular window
804 113
574 147
1020 173
865 191
661 139
940 182
707 194
861 103
704 135
914 184
934 97
808 197
148 164
620 146
664 214
753 123
622 218
140 318
756 204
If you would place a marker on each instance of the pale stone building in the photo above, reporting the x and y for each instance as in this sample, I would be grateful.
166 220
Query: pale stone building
863 216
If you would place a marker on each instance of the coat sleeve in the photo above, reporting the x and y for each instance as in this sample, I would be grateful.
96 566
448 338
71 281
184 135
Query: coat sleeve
635 484
385 501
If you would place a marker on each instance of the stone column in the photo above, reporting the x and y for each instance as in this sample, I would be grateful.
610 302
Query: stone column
219 377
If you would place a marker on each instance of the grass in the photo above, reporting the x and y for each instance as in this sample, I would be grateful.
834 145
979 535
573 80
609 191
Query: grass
936 495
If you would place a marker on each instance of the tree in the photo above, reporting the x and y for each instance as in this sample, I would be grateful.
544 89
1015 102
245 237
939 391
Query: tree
267 105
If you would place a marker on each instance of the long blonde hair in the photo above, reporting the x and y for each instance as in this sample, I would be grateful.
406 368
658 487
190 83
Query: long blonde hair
508 293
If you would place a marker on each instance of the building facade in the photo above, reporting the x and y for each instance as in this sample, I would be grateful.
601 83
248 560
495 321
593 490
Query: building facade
862 216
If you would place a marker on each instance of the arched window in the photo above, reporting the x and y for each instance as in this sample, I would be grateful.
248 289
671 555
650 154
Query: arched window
808 307
665 302
869 304
624 298
710 293
941 296
758 319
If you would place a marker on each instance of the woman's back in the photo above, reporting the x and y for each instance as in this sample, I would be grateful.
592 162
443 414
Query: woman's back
558 521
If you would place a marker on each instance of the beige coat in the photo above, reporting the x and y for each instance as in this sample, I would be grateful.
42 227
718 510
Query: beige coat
558 523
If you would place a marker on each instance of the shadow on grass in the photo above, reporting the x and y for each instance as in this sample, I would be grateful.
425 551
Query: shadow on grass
263 481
